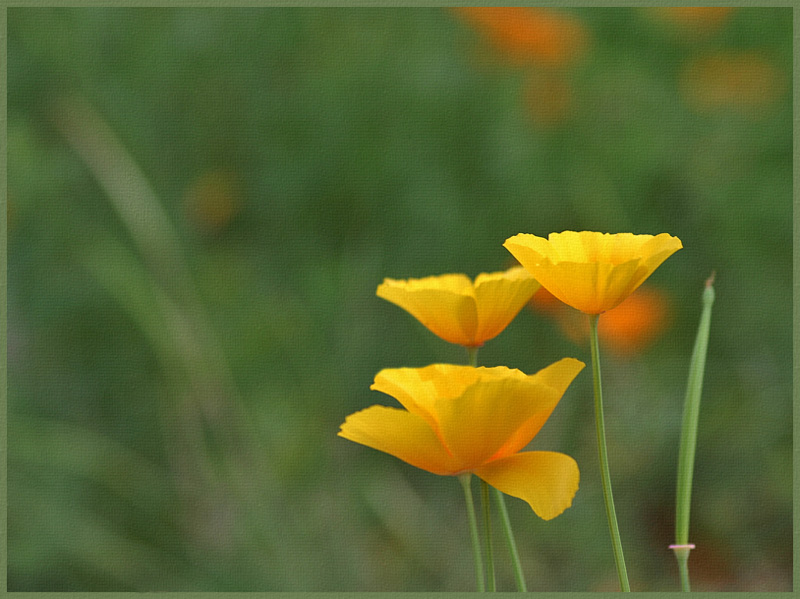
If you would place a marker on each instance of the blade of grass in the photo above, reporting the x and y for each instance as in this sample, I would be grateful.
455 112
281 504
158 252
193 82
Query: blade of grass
688 443
212 386
211 410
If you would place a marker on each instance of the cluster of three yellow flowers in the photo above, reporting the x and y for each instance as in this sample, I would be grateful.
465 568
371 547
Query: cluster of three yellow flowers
460 419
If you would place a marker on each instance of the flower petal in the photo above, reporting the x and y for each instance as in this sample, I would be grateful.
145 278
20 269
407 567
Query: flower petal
479 414
500 297
423 390
546 480
655 251
478 425
557 377
615 282
418 389
560 375
592 246
572 246
590 271
591 287
536 249
445 304
402 434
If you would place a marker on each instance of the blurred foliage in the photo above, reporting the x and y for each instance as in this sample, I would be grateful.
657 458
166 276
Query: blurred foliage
202 202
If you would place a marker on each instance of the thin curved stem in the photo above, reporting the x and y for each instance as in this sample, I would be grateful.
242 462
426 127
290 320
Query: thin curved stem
472 356
487 530
605 475
465 480
519 577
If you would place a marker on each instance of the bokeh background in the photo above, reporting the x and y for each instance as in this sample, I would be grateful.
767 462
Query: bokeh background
202 202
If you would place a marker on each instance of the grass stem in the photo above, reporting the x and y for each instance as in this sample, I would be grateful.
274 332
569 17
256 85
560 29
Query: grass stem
688 442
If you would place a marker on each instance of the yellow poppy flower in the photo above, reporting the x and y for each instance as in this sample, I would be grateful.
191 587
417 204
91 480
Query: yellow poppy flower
459 310
592 272
461 419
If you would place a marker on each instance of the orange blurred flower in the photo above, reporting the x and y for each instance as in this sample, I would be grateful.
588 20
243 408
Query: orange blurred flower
540 35
745 81
626 330
546 302
635 323
695 17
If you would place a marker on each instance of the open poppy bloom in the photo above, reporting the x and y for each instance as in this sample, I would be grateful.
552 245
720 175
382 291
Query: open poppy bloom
592 272
462 311
460 419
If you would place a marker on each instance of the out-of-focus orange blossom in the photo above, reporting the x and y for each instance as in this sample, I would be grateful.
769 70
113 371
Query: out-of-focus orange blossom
542 39
625 330
547 303
529 35
699 18
745 81
212 200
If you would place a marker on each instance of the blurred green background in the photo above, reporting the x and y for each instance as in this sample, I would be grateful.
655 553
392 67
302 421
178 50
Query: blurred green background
202 202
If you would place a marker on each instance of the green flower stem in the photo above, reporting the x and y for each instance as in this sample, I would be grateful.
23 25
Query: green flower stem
691 413
472 356
487 531
465 479
605 475
512 546
519 576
